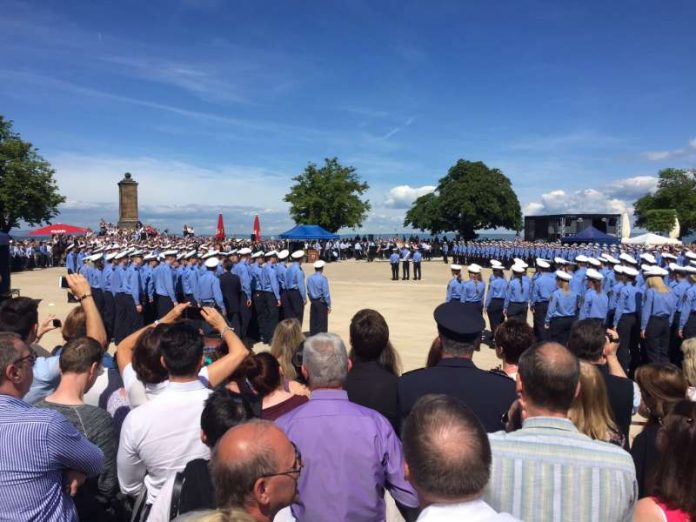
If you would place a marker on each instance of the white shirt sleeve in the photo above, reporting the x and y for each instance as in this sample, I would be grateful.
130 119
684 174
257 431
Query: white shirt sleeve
131 469
204 377
284 515
636 398
161 508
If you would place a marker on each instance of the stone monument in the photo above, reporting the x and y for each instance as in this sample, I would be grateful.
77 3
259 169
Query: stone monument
127 201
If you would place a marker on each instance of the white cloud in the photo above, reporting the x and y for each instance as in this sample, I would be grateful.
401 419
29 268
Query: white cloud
403 195
658 155
635 187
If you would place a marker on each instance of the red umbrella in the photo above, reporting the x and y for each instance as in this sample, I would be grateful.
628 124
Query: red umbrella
58 228
257 229
220 229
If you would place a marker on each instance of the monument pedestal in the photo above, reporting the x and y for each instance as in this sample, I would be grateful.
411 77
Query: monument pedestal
127 202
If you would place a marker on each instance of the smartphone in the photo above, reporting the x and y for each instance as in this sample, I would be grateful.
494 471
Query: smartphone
57 323
63 282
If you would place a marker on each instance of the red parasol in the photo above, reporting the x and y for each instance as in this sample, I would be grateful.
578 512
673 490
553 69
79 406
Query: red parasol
58 228
257 228
220 235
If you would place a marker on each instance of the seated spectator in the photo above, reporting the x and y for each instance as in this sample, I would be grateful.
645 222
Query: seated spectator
161 436
80 361
688 349
598 479
352 452
590 410
488 394
512 338
662 386
673 485
44 458
259 375
374 377
223 410
255 467
21 316
286 347
448 461
591 342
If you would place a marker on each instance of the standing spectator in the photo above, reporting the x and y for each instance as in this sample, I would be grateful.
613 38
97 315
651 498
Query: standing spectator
548 471
80 362
688 348
351 452
512 339
44 458
448 461
373 380
662 386
286 347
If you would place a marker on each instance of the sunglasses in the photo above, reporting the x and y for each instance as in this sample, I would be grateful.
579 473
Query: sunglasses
296 467
31 358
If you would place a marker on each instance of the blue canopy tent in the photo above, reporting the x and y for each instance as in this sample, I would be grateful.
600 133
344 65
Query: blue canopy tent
299 232
591 235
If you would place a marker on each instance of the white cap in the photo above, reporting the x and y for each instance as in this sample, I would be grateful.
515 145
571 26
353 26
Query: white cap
655 271
148 257
210 253
244 251
271 253
517 261
110 256
179 257
630 271
542 263
593 261
628 259
283 254
560 261
256 254
674 267
612 260
168 253
455 267
495 262
189 255
581 258
689 254
619 269
297 254
667 255
319 264
593 274
518 269
121 255
565 276
212 262
474 268
649 258
95 257
689 269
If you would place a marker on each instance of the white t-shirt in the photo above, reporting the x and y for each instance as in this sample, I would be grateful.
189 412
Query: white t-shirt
139 393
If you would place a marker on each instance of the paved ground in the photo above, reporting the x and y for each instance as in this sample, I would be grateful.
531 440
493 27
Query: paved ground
407 305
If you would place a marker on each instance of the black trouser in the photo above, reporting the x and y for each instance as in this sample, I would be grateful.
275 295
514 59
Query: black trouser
495 314
164 305
444 257
188 298
294 306
517 311
318 317
406 271
656 342
610 319
417 270
395 271
675 354
98 297
245 313
109 314
540 309
628 353
690 326
128 320
559 329
268 315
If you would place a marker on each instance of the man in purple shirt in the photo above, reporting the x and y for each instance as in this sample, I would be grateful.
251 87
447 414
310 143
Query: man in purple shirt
350 453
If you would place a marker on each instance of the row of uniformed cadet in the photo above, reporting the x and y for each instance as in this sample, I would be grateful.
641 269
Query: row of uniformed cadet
254 291
406 256
652 308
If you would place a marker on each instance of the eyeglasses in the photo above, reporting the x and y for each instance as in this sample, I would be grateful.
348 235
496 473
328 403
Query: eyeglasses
31 358
296 467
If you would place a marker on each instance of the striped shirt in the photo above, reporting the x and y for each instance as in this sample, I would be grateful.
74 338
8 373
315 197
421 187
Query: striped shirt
36 447
548 471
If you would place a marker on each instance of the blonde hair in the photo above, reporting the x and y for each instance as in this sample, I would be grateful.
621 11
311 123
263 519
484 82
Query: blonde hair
590 409
657 284
287 338
688 348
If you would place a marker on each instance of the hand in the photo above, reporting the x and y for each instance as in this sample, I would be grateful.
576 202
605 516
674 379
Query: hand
248 303
139 309
546 326
642 334
46 326
680 333
328 311
175 313
611 345
78 285
72 480
213 318
278 303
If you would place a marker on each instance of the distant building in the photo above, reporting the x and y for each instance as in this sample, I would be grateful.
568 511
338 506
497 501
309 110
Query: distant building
556 226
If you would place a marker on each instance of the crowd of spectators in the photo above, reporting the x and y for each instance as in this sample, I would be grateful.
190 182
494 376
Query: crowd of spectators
319 430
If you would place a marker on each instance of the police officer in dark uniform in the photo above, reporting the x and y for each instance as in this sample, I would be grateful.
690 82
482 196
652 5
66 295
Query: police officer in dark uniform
488 394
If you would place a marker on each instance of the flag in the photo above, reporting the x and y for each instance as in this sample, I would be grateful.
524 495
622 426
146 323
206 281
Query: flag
220 235
257 229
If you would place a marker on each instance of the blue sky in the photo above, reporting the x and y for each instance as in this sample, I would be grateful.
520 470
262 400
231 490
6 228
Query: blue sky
215 105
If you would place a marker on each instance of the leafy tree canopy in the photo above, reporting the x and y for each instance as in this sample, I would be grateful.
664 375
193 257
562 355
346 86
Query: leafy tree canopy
28 191
470 197
676 190
328 196
659 221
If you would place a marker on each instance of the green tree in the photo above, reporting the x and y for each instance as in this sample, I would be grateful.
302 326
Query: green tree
470 197
676 189
328 196
28 191
660 221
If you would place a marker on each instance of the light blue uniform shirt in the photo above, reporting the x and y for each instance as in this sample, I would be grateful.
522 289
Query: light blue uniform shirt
594 305
497 288
268 281
209 291
544 286
688 306
295 280
454 290
627 303
117 280
242 271
473 291
562 305
518 291
131 283
655 303
164 281
318 288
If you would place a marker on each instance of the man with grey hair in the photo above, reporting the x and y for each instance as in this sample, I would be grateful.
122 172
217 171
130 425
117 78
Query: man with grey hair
351 453
448 461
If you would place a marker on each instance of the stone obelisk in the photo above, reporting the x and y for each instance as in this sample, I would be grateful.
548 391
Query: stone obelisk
127 201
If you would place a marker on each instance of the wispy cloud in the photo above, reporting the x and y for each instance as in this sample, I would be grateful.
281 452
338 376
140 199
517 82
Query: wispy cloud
685 152
557 142
398 129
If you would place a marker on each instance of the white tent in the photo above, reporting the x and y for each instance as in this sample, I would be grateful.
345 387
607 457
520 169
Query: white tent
651 239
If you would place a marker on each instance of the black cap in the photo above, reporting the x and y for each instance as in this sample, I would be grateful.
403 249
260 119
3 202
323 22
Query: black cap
459 322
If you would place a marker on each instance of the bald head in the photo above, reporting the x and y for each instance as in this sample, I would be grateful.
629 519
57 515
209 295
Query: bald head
549 375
